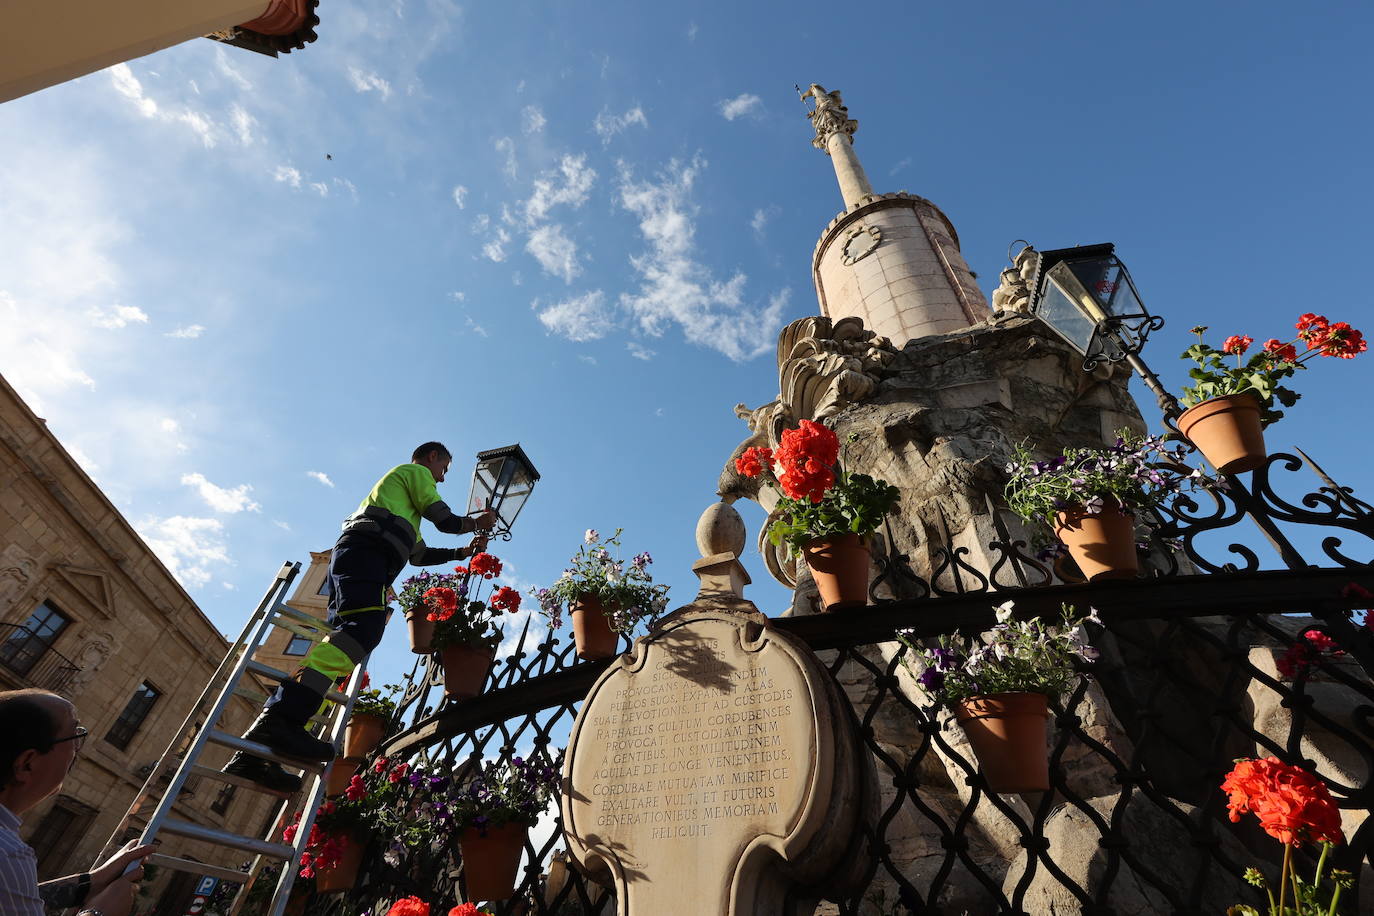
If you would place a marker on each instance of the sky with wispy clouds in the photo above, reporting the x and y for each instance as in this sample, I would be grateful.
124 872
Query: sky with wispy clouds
239 288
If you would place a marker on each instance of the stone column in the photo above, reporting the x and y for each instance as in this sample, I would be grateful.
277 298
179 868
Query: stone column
854 186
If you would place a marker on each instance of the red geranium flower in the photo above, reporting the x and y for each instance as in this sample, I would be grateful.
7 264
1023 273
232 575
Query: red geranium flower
399 773
506 599
485 565
465 909
1292 805
1237 344
367 680
1281 351
328 807
807 456
288 833
306 861
443 602
752 461
381 765
1343 341
356 789
1301 655
409 906
461 570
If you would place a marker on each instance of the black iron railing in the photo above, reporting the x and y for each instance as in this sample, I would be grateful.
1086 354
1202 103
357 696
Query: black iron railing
1203 660
25 655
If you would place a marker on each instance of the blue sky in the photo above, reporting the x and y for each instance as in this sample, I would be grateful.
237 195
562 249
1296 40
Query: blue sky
581 226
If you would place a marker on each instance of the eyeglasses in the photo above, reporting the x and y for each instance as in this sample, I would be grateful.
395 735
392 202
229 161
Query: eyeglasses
79 738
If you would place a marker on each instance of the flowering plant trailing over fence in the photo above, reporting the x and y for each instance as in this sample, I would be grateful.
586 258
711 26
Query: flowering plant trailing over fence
627 592
1274 362
1294 807
819 498
1134 475
379 701
504 792
449 601
1015 656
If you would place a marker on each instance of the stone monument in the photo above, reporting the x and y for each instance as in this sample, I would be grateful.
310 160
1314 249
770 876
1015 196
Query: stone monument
714 769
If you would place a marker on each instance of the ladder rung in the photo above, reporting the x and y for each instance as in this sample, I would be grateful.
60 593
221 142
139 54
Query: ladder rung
279 675
311 633
199 868
261 750
286 610
212 773
225 838
257 698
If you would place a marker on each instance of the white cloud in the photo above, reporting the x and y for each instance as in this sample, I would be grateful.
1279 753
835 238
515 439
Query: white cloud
549 192
744 104
188 546
579 319
460 194
675 288
759 223
282 525
532 119
458 296
118 317
899 166
230 500
495 249
608 125
169 425
367 81
476 328
692 31
287 174
243 123
320 188
321 476
126 84
554 251
589 360
228 69
186 332
347 186
639 351
506 147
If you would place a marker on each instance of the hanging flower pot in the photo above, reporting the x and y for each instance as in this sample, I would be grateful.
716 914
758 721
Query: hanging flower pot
592 629
840 566
365 731
343 874
1007 731
341 772
421 629
1101 543
490 860
465 670
1227 431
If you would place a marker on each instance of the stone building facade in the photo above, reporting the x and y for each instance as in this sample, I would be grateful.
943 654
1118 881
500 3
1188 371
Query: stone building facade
87 610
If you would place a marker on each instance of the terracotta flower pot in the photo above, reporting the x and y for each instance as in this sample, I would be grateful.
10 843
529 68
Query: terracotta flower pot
490 862
1007 731
365 731
1227 431
840 567
592 629
341 773
465 670
421 630
1101 543
342 876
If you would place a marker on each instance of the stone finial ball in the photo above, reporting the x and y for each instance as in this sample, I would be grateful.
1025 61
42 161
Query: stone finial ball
720 530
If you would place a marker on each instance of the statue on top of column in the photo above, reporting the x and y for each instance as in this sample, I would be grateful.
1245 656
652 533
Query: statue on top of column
830 115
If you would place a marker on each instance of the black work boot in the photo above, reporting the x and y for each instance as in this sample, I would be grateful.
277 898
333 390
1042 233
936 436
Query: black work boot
288 739
265 773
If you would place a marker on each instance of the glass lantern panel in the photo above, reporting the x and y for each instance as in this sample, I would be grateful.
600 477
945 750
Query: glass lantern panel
1060 309
484 483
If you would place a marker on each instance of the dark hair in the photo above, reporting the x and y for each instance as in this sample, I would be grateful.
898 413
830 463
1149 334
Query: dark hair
26 724
428 447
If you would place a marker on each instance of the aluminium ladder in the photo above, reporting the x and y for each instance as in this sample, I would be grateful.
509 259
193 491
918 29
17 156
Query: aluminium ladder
224 684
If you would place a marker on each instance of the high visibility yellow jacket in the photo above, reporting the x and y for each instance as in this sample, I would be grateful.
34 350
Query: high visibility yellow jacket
393 510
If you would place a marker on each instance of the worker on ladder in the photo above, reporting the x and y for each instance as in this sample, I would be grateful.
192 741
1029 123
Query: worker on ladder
377 542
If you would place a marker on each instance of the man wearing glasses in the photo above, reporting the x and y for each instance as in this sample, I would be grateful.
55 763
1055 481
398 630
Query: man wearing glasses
39 741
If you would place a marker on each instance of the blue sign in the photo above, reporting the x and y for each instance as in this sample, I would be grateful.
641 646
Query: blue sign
207 886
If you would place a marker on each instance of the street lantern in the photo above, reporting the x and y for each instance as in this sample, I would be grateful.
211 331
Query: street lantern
1086 295
502 481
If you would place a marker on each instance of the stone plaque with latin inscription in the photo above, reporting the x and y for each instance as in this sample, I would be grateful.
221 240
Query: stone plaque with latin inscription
712 769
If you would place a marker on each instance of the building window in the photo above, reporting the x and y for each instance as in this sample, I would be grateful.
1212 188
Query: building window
135 711
299 645
223 799
55 837
24 645
326 587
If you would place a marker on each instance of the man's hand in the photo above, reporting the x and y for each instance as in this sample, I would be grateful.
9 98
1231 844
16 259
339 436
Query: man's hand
114 867
117 899
484 520
478 544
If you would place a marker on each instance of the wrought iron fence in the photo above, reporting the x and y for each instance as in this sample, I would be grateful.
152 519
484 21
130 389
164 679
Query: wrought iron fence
1195 671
